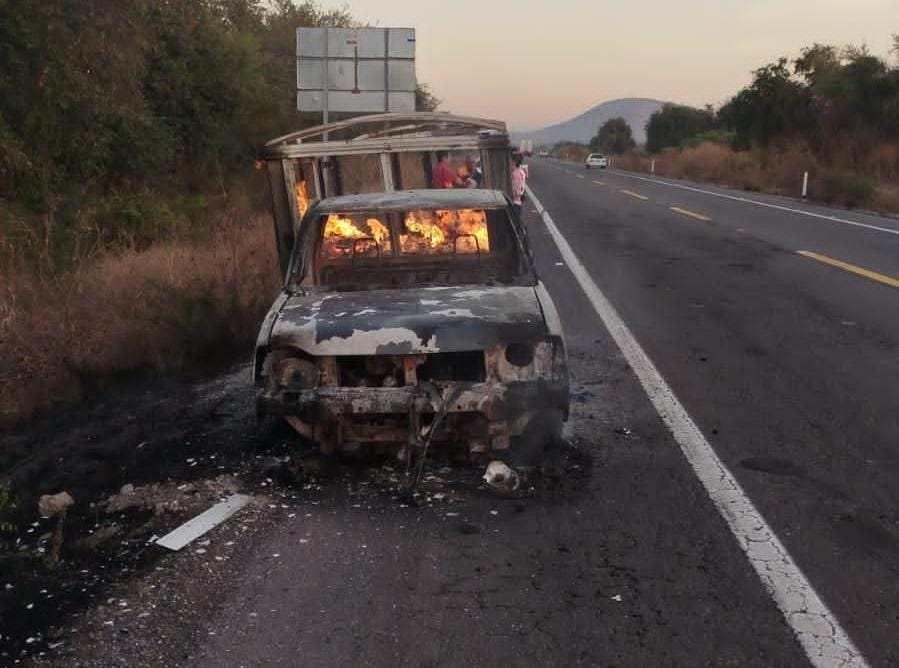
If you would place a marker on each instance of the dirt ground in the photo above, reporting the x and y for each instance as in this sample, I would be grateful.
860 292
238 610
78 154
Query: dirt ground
149 456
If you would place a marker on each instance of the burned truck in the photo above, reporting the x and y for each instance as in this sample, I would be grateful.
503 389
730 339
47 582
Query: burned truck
408 316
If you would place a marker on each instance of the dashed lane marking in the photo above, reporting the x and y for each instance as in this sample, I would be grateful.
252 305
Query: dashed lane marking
691 214
746 200
816 628
599 183
633 194
580 176
855 269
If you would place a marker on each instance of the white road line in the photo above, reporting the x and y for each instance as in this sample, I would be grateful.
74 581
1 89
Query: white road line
746 200
825 642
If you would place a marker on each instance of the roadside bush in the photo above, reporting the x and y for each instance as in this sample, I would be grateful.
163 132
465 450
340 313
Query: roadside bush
779 170
887 198
714 136
882 163
175 306
847 188
7 506
570 152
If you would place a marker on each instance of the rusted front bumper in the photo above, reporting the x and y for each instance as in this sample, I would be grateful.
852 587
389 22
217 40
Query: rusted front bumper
497 401
489 415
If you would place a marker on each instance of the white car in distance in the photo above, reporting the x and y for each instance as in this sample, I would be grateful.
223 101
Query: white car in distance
596 160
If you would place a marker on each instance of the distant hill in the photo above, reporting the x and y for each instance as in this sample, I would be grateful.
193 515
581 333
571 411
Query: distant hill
636 111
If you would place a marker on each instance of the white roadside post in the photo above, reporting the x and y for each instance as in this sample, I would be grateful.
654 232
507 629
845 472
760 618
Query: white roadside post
804 184
652 167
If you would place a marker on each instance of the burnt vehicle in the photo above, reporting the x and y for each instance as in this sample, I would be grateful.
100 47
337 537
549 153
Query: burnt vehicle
412 317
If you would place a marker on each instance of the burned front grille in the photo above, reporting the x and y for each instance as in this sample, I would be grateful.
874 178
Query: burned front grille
370 371
402 370
464 366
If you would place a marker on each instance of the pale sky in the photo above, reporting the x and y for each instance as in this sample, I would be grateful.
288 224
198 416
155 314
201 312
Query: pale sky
536 63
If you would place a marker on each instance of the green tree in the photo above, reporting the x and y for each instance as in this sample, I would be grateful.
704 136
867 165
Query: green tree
773 107
818 63
614 136
674 124
425 100
107 102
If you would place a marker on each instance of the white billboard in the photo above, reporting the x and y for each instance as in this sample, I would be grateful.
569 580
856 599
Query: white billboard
355 69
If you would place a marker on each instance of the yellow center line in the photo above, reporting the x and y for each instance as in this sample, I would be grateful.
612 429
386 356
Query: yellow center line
633 194
845 266
692 214
599 183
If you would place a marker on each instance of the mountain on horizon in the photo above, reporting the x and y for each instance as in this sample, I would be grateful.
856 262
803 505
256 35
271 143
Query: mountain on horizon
635 110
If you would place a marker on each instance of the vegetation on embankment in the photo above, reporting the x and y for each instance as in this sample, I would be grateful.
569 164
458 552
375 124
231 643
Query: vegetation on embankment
170 307
832 112
131 233
130 237
872 184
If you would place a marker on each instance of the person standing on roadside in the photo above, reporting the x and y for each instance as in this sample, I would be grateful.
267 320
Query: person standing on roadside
518 178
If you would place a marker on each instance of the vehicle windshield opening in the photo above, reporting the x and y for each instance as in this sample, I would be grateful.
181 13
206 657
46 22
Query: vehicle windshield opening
415 246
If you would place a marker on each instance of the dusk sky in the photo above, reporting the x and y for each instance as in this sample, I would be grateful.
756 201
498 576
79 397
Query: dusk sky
537 63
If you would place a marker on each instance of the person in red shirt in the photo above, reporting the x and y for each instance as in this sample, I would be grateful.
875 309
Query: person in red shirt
444 176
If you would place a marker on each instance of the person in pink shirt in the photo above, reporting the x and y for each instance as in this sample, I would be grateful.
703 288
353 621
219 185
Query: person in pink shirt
519 178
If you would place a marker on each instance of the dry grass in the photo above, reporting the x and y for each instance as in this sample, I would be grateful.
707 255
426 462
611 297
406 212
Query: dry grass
859 181
174 306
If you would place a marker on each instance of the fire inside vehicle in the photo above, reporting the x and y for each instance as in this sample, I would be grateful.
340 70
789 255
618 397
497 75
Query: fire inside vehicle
408 316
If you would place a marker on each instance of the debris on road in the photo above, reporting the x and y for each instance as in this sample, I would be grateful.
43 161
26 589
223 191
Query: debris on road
199 525
501 477
100 536
170 497
284 470
55 505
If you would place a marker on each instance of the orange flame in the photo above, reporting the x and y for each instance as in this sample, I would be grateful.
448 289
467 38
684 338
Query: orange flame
442 231
379 231
338 226
445 231
468 222
431 233
302 197
339 229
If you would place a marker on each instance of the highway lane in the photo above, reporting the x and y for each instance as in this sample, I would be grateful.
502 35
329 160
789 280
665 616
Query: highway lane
629 566
868 240
788 365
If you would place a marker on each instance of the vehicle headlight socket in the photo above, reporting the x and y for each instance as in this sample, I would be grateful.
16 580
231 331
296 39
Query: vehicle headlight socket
520 354
297 373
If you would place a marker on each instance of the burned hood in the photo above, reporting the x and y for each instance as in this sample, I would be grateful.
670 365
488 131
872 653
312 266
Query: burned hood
400 322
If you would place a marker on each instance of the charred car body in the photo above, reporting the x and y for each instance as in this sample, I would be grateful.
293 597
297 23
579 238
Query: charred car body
410 317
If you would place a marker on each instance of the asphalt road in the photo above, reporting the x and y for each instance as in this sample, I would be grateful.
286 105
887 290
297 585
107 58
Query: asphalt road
787 364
